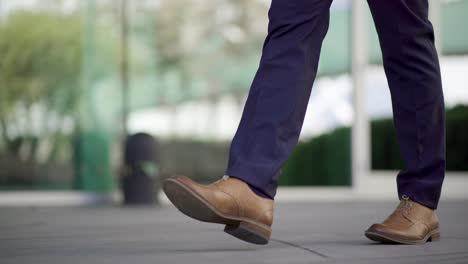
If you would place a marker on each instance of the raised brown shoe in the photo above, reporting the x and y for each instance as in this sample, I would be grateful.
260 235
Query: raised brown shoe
411 223
228 201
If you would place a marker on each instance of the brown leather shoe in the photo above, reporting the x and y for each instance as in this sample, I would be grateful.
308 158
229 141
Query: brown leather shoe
411 223
228 201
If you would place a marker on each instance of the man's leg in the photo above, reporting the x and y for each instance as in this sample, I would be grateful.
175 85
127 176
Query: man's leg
269 128
412 68
277 102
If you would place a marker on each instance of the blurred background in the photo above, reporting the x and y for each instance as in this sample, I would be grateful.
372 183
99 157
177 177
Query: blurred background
78 77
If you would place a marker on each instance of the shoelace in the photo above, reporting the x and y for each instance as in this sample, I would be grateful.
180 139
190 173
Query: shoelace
224 178
405 205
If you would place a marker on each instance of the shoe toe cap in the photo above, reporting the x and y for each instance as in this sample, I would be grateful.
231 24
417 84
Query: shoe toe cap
180 178
377 228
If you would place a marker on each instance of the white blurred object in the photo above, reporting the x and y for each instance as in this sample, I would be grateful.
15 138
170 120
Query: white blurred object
329 107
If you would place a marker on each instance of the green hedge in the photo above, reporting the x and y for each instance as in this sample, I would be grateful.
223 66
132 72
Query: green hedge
325 160
457 139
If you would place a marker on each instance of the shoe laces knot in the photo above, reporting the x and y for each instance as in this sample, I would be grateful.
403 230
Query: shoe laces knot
405 205
223 179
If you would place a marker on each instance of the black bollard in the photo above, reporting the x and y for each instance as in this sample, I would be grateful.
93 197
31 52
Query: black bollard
140 176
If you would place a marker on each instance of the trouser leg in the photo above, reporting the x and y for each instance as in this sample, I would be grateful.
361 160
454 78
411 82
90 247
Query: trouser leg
412 68
274 112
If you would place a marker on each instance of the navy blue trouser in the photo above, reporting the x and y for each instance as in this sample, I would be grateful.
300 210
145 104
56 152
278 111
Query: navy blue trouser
277 101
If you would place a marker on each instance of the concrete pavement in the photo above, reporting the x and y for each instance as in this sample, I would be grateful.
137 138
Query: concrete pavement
302 233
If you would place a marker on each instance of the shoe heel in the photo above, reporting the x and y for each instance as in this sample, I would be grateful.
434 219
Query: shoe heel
249 232
434 237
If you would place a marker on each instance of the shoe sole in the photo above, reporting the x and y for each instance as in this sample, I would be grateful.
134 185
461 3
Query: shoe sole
434 235
195 206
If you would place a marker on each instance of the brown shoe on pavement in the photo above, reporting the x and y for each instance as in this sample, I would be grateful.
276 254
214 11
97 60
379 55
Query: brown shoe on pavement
411 223
228 201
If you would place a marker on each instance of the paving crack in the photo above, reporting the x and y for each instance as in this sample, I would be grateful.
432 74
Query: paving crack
300 247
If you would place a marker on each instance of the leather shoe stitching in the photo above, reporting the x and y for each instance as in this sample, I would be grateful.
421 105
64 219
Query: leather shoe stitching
233 198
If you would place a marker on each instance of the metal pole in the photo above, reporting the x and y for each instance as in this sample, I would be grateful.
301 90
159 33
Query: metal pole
1 11
124 66
87 118
434 17
360 131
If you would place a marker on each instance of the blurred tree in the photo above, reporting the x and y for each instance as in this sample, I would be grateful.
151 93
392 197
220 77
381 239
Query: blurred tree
40 63
209 43
41 87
